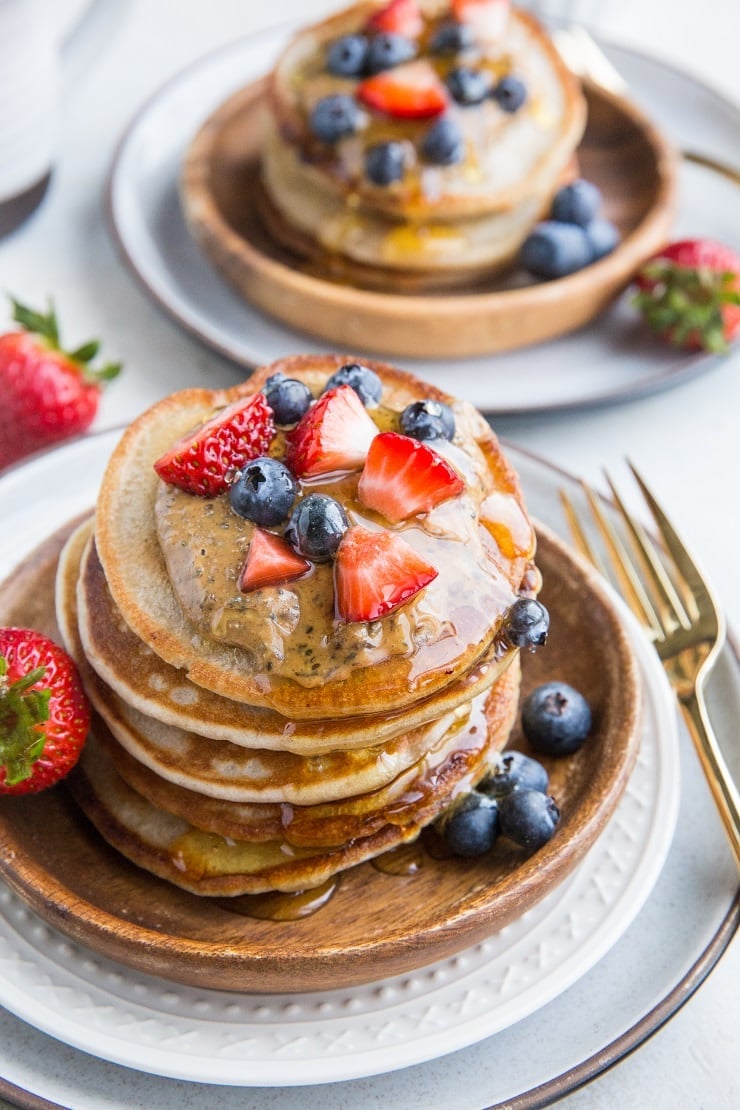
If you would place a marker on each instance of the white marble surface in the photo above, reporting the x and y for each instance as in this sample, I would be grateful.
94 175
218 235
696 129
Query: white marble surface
685 441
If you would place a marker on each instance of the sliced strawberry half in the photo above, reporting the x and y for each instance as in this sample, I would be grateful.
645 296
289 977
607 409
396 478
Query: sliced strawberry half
411 91
334 434
200 462
403 477
400 17
488 18
270 560
375 572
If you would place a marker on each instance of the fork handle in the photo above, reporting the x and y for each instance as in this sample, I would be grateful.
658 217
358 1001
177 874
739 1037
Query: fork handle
715 769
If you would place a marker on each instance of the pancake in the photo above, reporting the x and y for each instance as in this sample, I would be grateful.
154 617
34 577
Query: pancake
509 156
488 561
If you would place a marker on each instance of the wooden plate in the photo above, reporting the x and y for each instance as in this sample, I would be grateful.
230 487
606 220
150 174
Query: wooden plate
621 152
376 924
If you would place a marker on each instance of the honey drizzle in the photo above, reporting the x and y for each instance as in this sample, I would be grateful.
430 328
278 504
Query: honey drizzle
276 905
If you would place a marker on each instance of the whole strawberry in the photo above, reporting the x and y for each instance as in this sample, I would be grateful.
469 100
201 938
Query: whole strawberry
44 713
689 293
46 393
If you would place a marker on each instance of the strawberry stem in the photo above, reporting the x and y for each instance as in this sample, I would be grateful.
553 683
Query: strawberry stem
23 708
46 327
683 303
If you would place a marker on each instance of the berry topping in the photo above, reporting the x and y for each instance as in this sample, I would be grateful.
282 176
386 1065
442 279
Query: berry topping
412 91
528 817
264 492
486 18
576 203
44 714
468 86
472 828
553 250
451 38
288 398
402 17
388 50
270 561
602 236
514 771
510 94
316 527
335 434
556 719
428 420
375 572
385 163
365 382
527 623
443 143
334 117
347 56
200 462
689 293
403 477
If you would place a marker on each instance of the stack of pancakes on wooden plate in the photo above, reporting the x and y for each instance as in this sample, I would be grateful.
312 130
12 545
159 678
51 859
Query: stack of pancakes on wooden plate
218 760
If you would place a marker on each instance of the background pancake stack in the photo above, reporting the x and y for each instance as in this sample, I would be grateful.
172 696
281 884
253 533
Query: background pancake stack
205 774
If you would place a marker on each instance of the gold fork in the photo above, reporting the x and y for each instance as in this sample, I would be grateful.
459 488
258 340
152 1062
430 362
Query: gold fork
673 601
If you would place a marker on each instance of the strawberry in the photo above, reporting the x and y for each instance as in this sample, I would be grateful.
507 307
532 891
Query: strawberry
400 17
410 91
375 572
46 394
403 477
44 714
204 459
334 434
487 18
689 293
270 560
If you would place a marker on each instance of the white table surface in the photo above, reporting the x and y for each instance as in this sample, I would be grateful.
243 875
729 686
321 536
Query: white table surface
685 440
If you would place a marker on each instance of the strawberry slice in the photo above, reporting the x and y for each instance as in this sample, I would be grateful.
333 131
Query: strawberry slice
400 17
200 461
410 91
403 477
334 434
487 18
375 572
270 560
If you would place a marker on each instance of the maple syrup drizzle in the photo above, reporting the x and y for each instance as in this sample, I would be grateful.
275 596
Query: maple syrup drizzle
406 859
277 905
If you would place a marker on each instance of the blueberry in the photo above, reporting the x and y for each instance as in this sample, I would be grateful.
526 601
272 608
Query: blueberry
443 143
526 623
347 56
553 250
556 719
468 86
528 817
288 398
264 492
385 163
316 527
510 93
603 237
365 382
514 771
428 420
473 827
576 203
334 117
451 37
387 50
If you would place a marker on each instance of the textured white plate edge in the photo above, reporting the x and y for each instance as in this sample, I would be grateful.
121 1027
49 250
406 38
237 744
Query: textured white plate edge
178 1065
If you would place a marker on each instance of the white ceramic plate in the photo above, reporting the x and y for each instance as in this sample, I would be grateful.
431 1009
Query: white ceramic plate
610 361
219 1037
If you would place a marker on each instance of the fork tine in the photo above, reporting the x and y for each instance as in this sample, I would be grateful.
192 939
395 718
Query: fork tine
676 549
665 590
580 539
632 588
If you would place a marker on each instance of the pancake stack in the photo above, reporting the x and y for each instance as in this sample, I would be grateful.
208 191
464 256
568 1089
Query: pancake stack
251 738
450 126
